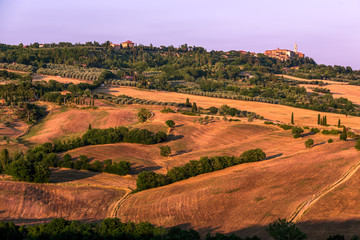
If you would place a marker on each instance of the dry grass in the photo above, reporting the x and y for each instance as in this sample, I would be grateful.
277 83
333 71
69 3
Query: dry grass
73 194
340 205
273 112
27 203
46 78
63 121
338 89
243 196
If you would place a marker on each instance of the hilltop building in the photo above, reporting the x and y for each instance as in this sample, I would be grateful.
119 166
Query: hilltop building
284 54
127 44
115 47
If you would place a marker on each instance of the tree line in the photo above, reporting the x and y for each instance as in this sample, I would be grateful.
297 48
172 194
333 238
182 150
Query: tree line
95 136
113 228
147 180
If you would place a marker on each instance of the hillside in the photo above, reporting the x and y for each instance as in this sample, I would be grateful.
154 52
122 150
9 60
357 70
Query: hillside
272 112
245 198
76 195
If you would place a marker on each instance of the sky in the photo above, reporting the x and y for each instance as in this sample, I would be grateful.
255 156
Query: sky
326 30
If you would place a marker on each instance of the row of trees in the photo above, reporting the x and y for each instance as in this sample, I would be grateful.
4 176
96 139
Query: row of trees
113 228
147 180
34 165
82 163
110 135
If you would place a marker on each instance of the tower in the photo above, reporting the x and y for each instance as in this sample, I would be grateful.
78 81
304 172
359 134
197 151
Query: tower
295 48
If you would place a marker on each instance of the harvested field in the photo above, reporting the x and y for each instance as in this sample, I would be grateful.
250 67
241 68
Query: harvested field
273 112
65 176
340 205
11 126
338 90
64 121
72 194
26 203
243 199
190 141
46 78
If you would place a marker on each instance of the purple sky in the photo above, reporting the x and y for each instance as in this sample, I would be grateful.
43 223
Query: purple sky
327 30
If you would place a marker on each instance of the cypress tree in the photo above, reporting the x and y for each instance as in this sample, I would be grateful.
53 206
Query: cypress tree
194 107
4 158
319 120
343 135
292 118
339 123
187 102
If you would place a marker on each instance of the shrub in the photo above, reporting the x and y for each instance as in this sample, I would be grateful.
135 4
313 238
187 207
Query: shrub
314 130
285 126
330 132
297 131
357 146
213 110
309 143
144 115
170 123
165 151
330 140
253 155
343 135
282 229
268 123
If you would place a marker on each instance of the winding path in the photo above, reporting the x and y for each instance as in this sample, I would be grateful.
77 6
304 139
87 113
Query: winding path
119 203
304 206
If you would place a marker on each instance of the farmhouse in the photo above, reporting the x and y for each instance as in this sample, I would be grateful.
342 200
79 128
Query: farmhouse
127 44
115 47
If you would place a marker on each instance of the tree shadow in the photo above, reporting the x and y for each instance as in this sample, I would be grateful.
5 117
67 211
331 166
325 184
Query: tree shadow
318 144
179 125
307 134
172 137
140 168
32 221
181 152
62 175
273 156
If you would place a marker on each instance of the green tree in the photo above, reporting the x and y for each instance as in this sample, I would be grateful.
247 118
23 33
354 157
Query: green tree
319 121
284 230
4 158
213 110
309 143
343 135
297 131
89 128
170 123
9 231
339 123
292 118
143 115
187 103
194 107
357 145
165 151
253 155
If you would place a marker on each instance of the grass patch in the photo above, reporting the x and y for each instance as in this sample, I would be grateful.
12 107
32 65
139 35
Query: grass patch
259 199
304 181
233 190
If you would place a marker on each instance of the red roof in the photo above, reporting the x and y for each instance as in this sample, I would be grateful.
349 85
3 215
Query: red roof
128 41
